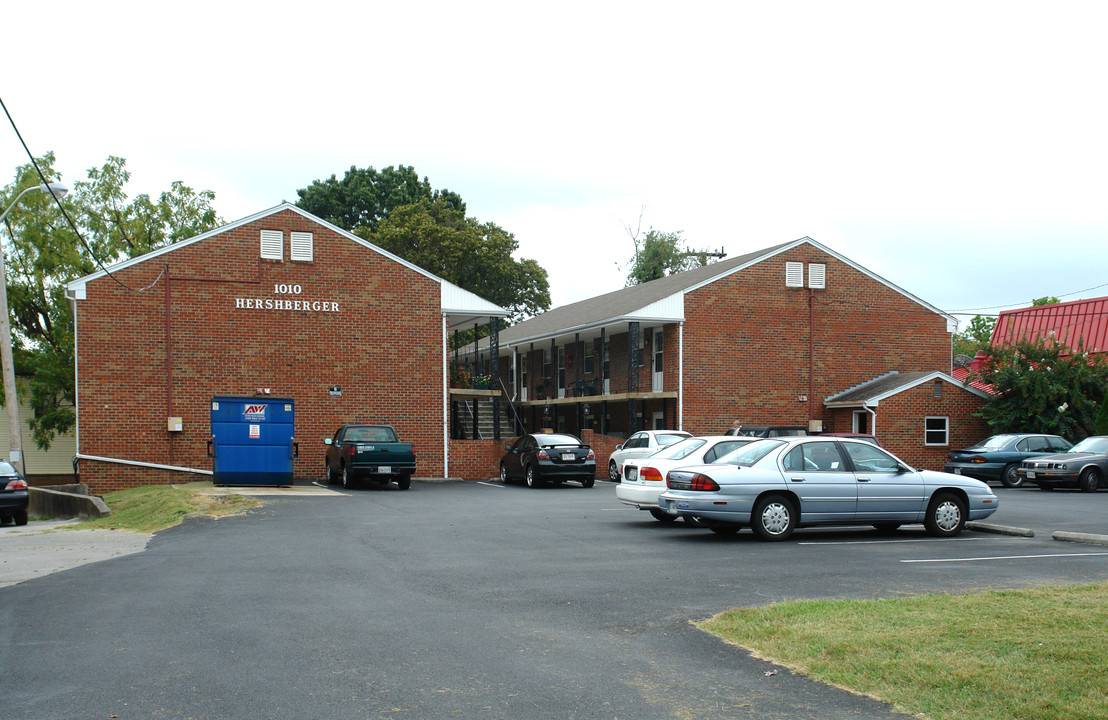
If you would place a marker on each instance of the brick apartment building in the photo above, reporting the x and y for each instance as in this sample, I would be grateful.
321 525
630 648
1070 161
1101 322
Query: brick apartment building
279 301
794 334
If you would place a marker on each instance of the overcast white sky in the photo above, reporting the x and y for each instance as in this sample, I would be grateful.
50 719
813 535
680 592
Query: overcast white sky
957 149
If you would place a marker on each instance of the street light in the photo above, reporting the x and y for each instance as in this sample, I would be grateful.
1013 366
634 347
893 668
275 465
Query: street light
11 399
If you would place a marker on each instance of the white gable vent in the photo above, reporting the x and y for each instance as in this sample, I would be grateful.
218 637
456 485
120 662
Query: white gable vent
794 274
273 245
300 246
817 276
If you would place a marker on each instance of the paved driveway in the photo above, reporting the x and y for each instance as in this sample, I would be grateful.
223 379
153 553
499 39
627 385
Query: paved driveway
473 600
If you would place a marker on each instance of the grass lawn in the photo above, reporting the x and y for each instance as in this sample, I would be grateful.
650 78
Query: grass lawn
1039 654
155 507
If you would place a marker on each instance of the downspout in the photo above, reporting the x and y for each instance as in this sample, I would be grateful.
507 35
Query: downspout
445 403
811 351
681 375
76 388
872 419
168 364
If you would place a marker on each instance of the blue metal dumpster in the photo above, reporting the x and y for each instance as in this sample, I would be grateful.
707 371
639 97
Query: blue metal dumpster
252 440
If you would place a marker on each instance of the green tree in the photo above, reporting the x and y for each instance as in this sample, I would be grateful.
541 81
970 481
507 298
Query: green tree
439 238
1042 386
975 337
365 197
1048 300
43 253
659 254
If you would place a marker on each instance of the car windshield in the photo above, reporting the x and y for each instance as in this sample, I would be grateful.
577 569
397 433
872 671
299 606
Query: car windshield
1091 445
996 442
550 440
680 450
752 453
669 438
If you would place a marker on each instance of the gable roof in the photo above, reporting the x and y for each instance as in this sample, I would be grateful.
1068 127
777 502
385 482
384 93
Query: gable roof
660 300
461 305
1078 322
872 392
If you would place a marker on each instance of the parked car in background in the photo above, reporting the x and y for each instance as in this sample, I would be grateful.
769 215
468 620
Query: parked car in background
645 478
866 437
548 457
775 485
640 445
375 452
14 496
1085 466
764 431
999 457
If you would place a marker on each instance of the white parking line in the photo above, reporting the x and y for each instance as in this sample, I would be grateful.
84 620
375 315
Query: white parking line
884 542
1006 557
490 484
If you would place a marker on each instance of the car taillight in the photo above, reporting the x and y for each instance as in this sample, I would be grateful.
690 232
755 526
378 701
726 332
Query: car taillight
541 455
703 482
17 484
977 459
592 455
649 474
352 450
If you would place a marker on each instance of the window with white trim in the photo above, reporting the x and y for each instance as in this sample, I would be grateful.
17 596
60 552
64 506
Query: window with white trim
300 246
936 430
273 245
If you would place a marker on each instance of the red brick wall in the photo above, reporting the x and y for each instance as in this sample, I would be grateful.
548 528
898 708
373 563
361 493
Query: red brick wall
747 342
383 347
900 423
476 459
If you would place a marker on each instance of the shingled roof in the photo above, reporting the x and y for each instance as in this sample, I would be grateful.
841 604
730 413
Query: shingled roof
872 392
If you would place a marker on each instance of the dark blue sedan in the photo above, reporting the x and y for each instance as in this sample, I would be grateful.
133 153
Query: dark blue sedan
998 457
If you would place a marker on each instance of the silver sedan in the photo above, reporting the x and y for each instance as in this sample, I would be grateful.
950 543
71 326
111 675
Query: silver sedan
774 486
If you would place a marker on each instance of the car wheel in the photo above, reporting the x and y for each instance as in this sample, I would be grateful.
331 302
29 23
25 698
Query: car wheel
662 516
404 482
532 478
1010 478
347 479
20 517
613 471
774 518
887 527
332 478
588 482
5 519
946 515
1089 480
504 474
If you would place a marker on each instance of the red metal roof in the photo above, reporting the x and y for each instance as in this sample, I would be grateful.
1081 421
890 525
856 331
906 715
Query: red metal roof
1079 322
961 374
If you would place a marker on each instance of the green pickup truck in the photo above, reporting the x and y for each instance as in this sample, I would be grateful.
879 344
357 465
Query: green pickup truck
369 451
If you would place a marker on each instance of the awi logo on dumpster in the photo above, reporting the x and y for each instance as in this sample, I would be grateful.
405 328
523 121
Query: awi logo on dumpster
254 412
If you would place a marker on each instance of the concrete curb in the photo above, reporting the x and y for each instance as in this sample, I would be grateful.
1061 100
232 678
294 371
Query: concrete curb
1087 538
999 529
47 502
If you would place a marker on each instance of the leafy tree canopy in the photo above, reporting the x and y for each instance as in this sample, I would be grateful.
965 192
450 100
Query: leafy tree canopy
439 238
365 197
659 254
975 337
1042 386
1048 300
43 253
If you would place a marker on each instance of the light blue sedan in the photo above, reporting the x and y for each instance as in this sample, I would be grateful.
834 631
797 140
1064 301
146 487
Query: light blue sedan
774 486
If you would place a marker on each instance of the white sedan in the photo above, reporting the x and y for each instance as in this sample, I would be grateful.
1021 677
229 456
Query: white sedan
640 445
645 478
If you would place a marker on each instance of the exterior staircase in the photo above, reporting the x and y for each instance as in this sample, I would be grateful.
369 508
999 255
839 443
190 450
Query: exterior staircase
485 420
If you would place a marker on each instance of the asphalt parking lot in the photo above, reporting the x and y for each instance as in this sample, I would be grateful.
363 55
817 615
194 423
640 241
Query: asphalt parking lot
477 600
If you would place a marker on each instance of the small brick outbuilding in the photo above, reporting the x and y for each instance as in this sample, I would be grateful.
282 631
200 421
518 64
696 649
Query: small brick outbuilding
280 302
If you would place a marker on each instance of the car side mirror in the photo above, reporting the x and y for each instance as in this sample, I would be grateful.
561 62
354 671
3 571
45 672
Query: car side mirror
326 441
619 447
508 446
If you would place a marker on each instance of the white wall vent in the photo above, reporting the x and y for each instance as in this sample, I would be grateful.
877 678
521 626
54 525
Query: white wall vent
300 246
273 245
794 274
817 276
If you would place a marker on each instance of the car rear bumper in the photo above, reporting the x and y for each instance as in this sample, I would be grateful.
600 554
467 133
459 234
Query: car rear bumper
16 500
566 470
642 496
981 471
